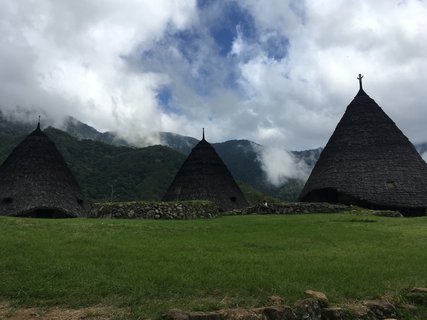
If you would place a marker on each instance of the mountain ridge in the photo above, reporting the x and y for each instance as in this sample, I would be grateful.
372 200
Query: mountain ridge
127 166
241 156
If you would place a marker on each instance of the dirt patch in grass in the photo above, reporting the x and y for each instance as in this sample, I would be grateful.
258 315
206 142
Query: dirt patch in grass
9 312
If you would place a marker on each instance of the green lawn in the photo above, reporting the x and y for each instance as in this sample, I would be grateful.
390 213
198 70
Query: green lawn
151 266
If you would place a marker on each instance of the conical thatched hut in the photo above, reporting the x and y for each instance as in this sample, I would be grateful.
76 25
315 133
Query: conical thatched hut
35 181
369 162
204 176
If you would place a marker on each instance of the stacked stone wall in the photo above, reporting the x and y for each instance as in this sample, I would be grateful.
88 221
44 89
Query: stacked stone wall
296 208
185 210
155 210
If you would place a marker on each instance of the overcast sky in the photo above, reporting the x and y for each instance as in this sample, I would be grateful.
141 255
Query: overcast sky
277 72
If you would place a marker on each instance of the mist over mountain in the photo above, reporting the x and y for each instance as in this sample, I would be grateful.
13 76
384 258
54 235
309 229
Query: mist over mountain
81 130
273 171
108 167
178 142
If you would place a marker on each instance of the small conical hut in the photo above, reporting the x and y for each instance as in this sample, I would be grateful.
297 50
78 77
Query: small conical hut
204 176
369 162
36 182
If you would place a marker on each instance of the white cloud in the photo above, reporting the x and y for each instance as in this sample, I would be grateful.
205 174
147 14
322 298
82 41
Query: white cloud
306 93
66 57
285 84
279 165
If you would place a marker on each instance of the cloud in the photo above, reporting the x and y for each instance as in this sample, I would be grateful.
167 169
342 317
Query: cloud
276 72
306 92
67 58
279 166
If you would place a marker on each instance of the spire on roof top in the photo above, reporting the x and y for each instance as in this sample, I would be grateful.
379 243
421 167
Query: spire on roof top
38 126
360 81
203 136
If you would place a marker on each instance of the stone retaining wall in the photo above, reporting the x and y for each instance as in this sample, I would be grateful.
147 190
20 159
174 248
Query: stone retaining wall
316 306
155 210
296 208
293 208
205 209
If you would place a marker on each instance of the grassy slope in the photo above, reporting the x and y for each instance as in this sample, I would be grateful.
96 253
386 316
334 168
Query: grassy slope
203 264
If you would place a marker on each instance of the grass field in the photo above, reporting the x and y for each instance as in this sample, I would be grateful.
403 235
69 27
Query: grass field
150 266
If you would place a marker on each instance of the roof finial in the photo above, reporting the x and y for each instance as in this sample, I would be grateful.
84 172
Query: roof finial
360 81
203 136
38 124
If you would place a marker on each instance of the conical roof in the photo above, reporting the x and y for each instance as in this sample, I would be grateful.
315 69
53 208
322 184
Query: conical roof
204 176
35 181
369 162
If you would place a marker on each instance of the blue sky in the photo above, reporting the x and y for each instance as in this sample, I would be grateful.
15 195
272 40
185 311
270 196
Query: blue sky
278 72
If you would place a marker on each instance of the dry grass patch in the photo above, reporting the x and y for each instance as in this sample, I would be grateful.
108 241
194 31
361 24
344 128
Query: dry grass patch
9 312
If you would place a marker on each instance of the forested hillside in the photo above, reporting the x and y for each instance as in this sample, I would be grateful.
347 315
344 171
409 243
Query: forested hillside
107 168
109 172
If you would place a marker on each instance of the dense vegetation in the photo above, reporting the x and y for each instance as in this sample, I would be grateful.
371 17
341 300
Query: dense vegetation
151 266
106 171
119 173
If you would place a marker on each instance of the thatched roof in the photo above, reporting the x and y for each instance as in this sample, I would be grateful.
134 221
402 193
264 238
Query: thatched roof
369 162
35 181
204 176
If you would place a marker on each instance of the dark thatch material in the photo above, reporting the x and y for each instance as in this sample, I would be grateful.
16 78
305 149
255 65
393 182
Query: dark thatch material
35 181
204 176
369 162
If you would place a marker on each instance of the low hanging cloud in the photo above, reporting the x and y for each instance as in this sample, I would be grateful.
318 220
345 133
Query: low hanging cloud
67 58
280 165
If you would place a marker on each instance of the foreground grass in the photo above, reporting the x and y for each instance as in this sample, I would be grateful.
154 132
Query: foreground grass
150 266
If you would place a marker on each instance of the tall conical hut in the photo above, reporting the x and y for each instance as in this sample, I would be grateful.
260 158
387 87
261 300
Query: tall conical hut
204 176
369 162
35 181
